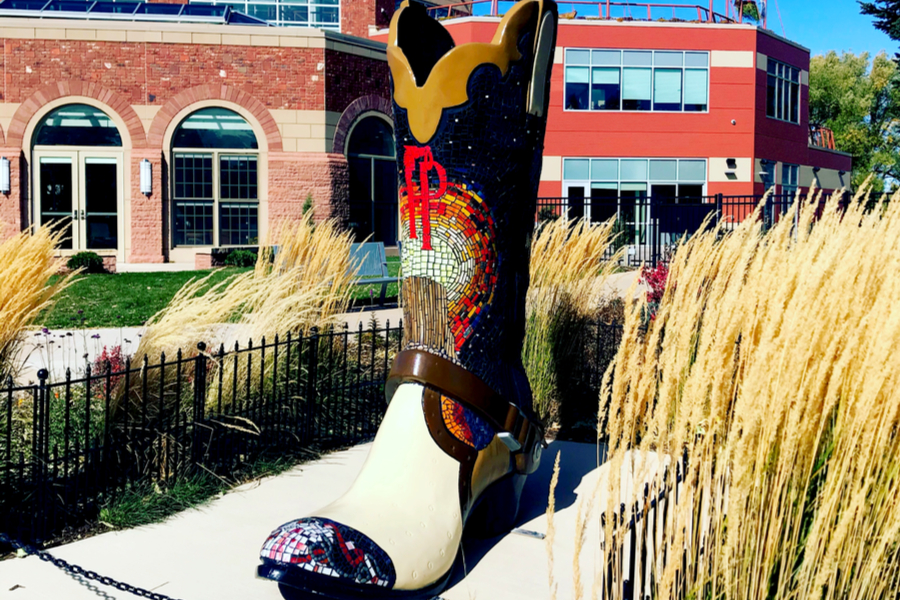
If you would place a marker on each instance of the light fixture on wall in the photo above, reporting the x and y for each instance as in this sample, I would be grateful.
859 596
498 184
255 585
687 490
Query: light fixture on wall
816 169
4 176
146 177
842 173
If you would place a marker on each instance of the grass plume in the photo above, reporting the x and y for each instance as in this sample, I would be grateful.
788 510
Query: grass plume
569 264
306 283
27 266
771 367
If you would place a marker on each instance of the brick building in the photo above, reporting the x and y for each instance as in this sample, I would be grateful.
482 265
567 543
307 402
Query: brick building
239 123
235 124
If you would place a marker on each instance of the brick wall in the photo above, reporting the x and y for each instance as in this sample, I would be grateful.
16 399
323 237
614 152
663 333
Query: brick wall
349 76
147 233
151 73
12 217
358 15
294 177
131 77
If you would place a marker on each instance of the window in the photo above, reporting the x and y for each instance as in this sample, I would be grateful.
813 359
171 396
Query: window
324 14
636 80
77 125
789 176
215 180
783 92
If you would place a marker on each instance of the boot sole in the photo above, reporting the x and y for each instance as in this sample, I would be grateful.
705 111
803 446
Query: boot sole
490 516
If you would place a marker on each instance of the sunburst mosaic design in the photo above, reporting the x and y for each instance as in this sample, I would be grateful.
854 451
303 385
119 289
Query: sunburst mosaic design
462 258
465 425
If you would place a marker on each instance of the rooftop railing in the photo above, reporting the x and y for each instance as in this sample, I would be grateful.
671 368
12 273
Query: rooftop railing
594 10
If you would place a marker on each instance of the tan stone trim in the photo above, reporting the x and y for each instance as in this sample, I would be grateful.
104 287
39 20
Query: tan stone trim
67 92
762 61
731 58
188 33
552 168
558 55
7 111
720 173
269 137
828 179
146 112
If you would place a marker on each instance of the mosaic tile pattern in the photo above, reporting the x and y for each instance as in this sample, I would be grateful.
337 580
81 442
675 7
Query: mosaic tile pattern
465 425
462 259
481 172
329 548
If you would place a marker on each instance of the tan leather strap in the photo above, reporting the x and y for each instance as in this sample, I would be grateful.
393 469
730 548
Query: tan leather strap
517 427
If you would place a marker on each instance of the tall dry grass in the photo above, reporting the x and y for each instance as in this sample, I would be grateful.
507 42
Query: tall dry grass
771 367
568 269
306 283
27 265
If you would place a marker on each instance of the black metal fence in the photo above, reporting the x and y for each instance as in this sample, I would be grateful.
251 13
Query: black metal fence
68 446
649 227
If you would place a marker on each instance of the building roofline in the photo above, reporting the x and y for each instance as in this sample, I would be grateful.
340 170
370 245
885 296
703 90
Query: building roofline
772 34
838 152
635 23
188 33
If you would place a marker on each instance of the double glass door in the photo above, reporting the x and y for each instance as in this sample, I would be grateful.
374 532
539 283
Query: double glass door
80 192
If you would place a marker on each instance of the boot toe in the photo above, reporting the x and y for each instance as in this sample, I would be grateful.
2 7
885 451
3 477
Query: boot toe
328 548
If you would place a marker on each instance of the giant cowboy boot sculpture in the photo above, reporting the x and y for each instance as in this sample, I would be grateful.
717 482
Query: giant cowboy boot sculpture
459 436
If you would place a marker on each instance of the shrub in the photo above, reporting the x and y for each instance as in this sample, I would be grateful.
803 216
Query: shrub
88 262
240 258
655 278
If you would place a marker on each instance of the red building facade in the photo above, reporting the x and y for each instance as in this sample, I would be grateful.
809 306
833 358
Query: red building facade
673 107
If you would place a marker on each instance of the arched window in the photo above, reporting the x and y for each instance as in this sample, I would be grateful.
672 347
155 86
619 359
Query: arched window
77 125
215 172
373 180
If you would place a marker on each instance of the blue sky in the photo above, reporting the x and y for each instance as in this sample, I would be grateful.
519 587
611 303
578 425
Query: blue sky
824 25
820 25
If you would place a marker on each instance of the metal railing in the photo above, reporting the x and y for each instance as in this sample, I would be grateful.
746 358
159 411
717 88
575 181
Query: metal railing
649 227
67 447
596 9
821 137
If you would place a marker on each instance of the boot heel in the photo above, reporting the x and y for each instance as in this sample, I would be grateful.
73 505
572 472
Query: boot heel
496 510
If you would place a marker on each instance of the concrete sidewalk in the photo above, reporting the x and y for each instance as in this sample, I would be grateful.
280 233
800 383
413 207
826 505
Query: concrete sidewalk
211 553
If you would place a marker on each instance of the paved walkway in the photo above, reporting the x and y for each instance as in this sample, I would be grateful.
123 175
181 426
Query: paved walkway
211 553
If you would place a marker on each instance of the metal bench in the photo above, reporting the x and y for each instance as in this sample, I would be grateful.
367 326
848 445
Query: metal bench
370 260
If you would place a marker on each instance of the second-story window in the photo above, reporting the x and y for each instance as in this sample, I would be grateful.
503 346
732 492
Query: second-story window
636 80
783 92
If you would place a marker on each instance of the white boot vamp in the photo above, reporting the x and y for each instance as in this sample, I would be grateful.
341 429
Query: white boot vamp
406 499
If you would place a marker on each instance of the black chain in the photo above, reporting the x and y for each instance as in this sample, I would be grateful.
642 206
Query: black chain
77 571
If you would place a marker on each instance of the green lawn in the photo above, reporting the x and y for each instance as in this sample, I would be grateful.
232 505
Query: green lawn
129 299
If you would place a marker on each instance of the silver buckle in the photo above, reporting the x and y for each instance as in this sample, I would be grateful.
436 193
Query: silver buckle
510 441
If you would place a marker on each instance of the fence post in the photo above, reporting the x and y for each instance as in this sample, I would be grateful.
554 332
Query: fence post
199 406
40 454
311 381
719 201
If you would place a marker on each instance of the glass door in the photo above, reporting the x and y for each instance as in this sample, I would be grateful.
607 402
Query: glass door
56 198
99 222
80 192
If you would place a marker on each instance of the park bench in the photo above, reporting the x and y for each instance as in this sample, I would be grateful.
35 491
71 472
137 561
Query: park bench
371 263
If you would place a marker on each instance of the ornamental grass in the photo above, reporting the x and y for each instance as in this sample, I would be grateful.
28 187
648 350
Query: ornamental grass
27 267
569 264
306 282
769 379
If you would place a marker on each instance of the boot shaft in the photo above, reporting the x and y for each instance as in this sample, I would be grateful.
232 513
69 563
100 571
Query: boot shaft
469 128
